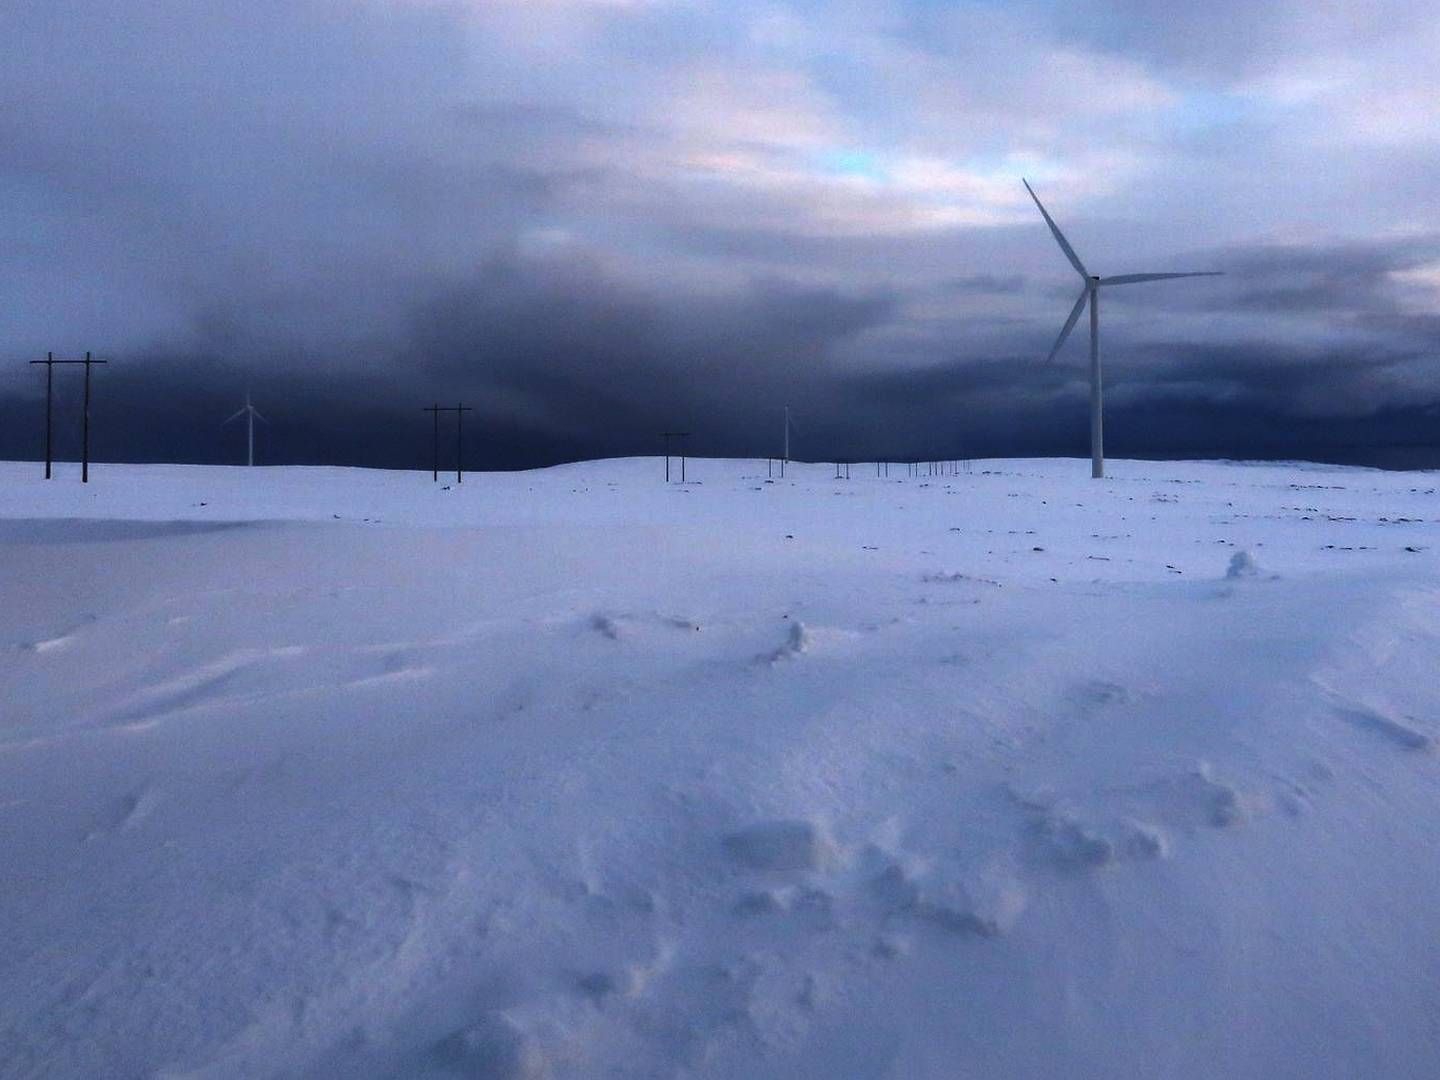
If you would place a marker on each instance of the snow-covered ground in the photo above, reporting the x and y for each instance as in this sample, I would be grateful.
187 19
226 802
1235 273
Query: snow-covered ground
335 773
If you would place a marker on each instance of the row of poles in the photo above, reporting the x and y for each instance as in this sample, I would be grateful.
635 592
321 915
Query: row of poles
912 468
842 468
89 361
676 450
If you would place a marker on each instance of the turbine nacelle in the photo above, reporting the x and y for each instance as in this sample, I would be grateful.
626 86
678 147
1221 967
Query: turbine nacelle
243 410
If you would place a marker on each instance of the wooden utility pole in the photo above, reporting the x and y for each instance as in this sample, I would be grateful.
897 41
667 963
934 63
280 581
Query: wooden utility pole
667 436
49 408
50 363
459 410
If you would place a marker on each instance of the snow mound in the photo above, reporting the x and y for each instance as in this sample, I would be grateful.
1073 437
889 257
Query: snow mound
1242 565
797 642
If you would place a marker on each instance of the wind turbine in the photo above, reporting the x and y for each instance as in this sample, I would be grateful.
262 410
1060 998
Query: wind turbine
1091 293
253 414
789 427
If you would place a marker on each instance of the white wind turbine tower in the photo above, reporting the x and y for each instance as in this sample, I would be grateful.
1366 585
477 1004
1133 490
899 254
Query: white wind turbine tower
789 427
1091 293
252 414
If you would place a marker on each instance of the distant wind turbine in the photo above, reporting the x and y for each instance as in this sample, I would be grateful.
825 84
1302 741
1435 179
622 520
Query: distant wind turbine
253 414
1091 293
789 427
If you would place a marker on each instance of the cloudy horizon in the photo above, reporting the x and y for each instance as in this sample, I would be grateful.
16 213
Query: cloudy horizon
592 220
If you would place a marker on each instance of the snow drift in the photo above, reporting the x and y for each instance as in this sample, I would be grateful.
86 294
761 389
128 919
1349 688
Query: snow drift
570 773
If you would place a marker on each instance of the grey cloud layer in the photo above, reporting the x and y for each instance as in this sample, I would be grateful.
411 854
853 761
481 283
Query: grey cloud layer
596 219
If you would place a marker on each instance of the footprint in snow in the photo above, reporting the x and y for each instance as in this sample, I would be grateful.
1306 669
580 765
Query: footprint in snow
1070 842
781 845
492 1048
812 907
605 626
1396 731
1198 798
128 812
1100 693
983 901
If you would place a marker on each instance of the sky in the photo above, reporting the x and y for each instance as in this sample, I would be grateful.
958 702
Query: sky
594 220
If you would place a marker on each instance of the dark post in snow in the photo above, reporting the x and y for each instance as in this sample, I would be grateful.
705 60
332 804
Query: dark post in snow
85 428
667 436
459 410
50 363
49 395
435 444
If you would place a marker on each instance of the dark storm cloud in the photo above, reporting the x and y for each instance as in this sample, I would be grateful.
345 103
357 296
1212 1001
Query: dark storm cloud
566 351
593 219
180 165
1324 279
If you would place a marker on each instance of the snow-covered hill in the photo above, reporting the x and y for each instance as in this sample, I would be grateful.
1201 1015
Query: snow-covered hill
334 773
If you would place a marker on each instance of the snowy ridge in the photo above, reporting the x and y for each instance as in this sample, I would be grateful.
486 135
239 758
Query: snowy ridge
572 774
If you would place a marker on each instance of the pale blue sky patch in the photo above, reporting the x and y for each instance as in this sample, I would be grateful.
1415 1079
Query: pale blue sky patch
853 163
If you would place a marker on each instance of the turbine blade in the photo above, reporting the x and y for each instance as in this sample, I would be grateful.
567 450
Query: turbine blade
1135 279
258 416
1059 236
237 416
1069 324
